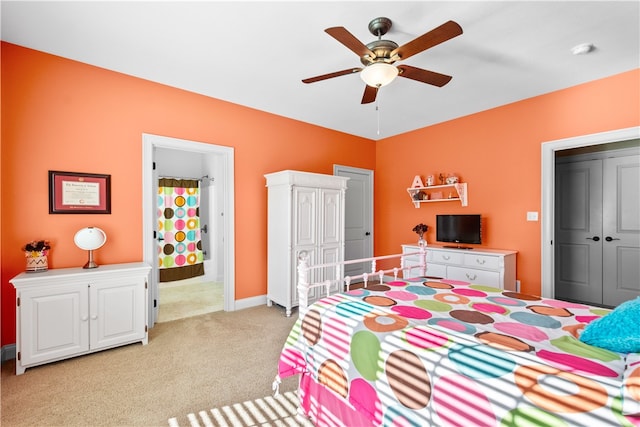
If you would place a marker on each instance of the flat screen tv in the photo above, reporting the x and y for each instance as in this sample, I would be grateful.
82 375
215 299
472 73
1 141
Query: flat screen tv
458 229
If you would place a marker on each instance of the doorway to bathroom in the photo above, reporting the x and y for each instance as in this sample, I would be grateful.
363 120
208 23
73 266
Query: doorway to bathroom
212 167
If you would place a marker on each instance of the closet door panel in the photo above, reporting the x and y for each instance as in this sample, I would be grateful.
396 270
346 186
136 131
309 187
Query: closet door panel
578 233
621 229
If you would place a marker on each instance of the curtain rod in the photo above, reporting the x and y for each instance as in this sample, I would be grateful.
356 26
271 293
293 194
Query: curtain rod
189 178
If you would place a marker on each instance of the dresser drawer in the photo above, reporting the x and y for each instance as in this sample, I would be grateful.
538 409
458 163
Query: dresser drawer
445 257
436 270
482 261
481 277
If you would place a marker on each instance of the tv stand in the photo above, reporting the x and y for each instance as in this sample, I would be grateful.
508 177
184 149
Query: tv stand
482 266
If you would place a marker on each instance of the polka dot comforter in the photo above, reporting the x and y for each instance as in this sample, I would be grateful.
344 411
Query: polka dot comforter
448 353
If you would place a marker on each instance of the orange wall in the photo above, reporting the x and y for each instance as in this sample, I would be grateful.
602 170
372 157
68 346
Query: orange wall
498 153
59 114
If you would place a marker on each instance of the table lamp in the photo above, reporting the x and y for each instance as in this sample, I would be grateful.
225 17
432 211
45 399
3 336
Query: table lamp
90 239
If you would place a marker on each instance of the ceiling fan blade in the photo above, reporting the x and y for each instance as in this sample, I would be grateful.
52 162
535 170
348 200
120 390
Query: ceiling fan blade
331 75
424 76
444 32
369 95
350 41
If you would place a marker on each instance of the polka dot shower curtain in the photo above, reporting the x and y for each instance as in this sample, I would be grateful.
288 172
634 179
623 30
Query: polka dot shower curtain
179 245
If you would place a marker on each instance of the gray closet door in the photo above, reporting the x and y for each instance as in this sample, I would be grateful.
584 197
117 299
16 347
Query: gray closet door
597 235
578 232
621 229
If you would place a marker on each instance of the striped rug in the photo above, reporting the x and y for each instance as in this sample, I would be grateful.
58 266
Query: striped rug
270 411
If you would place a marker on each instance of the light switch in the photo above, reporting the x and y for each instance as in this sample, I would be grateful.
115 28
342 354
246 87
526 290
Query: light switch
532 216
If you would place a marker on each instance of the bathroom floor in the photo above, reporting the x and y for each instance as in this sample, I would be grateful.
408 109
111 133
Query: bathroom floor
191 297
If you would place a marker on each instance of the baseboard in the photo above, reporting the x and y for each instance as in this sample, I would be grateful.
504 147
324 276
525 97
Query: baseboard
8 352
241 304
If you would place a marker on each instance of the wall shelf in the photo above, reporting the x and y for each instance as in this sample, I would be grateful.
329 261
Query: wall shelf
439 193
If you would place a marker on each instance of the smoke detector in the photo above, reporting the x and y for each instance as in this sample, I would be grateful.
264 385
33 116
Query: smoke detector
583 49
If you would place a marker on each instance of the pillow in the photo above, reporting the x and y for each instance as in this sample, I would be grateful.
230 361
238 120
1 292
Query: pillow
618 330
631 386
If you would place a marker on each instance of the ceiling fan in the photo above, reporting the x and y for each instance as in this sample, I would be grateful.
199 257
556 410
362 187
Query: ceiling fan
379 56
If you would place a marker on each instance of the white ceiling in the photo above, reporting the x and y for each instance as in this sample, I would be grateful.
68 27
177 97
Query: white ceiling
256 53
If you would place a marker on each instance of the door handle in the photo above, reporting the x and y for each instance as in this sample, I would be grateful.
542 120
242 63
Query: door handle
367 234
609 238
594 238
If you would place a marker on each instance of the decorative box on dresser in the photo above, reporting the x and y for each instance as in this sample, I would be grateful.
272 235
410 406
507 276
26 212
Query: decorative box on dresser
492 267
67 312
305 216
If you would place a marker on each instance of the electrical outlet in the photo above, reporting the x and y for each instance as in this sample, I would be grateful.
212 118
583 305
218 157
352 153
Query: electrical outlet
532 216
517 285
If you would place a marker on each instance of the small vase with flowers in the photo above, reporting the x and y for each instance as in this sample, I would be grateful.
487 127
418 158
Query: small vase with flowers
420 229
36 253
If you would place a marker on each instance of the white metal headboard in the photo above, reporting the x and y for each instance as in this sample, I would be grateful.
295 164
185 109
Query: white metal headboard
304 269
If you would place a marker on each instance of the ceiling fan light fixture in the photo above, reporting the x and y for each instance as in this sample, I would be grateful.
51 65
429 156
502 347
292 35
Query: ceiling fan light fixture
378 74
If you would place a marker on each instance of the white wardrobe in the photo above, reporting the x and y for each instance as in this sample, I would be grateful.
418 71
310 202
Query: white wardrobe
305 213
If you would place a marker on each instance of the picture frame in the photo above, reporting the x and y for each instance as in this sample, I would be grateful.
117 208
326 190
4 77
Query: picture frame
79 193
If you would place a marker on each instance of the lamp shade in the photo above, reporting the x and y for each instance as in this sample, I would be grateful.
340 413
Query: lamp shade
378 74
90 238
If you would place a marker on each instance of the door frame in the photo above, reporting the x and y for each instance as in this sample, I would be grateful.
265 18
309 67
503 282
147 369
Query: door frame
150 143
549 149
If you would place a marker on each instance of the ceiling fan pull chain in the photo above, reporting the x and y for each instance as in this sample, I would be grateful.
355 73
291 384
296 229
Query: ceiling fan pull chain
378 116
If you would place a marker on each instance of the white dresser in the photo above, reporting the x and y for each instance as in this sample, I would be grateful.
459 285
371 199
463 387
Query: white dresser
68 312
305 214
492 267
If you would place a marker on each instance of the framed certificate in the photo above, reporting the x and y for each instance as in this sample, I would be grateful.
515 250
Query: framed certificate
79 193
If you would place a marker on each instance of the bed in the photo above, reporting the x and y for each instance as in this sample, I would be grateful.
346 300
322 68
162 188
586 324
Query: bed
431 351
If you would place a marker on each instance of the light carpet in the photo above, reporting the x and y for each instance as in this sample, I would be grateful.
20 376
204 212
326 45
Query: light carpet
270 411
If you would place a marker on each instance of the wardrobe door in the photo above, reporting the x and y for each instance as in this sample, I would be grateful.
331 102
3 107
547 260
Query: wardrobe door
621 229
305 216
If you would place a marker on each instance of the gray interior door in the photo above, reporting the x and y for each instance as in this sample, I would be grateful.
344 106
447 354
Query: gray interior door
621 229
578 233
597 234
358 218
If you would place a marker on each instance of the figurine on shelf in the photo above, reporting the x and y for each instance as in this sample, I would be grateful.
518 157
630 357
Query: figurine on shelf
452 179
430 180
441 178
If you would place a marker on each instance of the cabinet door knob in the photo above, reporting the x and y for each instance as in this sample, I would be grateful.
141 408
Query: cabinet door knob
94 317
447 257
84 318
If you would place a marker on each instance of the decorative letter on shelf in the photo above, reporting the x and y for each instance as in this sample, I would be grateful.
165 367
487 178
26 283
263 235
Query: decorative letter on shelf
417 182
